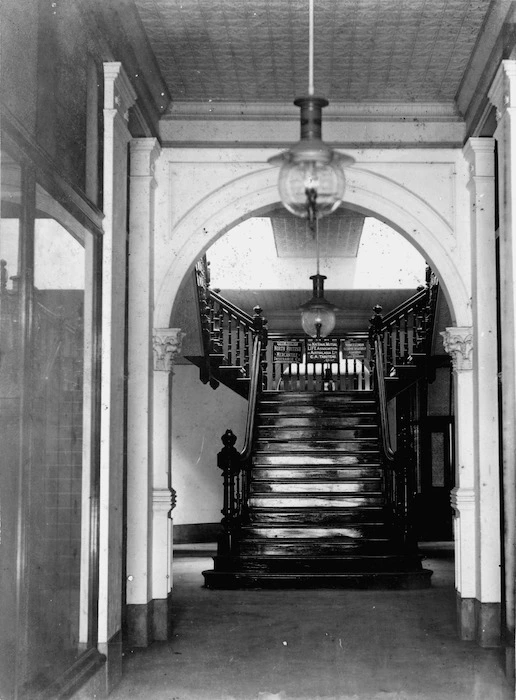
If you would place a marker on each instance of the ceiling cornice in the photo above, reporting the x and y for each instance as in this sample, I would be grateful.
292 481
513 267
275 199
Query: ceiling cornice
345 125
385 111
495 42
121 25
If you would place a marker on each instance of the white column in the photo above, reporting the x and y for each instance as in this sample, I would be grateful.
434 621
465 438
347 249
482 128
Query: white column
143 153
480 155
167 345
458 342
119 96
503 96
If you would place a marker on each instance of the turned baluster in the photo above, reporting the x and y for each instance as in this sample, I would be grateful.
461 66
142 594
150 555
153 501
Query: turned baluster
247 345
229 334
403 338
238 345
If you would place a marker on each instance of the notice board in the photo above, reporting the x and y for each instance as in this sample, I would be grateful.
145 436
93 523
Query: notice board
322 350
287 351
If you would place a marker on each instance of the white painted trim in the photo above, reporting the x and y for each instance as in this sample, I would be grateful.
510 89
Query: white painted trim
367 191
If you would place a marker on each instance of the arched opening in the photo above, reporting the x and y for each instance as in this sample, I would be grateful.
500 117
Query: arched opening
368 193
201 487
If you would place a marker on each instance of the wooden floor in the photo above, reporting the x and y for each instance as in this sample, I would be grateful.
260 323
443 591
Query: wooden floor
312 644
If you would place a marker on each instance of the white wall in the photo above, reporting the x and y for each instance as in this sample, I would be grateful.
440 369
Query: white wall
200 416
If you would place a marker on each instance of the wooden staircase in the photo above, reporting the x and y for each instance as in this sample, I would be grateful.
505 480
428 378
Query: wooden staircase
317 514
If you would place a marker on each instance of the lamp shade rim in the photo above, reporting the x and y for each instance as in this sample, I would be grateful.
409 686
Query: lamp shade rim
311 150
318 303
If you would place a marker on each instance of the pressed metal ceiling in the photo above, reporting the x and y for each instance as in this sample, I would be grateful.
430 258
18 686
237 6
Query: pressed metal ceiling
365 50
339 235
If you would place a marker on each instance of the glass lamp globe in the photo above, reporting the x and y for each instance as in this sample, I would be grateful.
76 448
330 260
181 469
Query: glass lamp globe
318 315
320 175
311 180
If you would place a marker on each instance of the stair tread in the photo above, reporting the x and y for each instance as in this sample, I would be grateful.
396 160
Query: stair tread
322 574
317 501
369 556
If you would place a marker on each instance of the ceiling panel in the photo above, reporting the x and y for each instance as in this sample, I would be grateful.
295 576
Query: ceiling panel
365 50
339 235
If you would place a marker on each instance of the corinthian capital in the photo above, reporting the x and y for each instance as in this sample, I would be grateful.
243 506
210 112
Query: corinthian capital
166 344
458 342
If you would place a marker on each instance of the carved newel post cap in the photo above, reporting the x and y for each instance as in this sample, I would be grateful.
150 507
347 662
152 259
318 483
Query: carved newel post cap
229 438
376 321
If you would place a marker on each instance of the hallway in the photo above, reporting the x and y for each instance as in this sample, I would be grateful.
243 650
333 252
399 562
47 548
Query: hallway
344 645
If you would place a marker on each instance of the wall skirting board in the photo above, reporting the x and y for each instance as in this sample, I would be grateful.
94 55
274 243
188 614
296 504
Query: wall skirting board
148 622
112 650
197 532
479 621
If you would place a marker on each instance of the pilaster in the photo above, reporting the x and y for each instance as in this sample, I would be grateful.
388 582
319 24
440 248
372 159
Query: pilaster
166 346
480 154
503 96
143 153
119 97
458 342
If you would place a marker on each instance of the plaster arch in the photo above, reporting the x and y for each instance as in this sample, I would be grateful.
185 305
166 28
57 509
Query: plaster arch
370 193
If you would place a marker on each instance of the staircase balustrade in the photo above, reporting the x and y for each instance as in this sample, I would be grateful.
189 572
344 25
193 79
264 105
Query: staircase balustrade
345 372
399 465
227 332
235 464
407 329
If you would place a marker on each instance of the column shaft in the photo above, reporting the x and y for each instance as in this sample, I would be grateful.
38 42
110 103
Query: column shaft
139 392
503 96
119 96
480 154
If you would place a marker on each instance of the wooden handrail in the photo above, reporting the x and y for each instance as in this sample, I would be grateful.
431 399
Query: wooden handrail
382 400
235 464
231 308
405 306
255 385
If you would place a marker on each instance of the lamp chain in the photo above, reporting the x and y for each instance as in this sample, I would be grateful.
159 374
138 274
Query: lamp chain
317 242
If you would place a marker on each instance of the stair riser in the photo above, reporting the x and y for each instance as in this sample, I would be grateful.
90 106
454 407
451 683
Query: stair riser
323 488
322 473
360 421
294 565
302 549
317 433
340 501
314 458
264 445
354 581
359 532
316 518
316 397
300 409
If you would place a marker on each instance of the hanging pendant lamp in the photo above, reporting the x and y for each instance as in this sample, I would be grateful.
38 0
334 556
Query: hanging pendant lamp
311 180
311 185
317 314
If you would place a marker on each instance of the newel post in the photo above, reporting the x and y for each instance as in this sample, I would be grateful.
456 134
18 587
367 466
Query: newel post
260 328
228 462
376 321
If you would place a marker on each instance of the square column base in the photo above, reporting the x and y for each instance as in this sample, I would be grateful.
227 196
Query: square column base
479 622
148 622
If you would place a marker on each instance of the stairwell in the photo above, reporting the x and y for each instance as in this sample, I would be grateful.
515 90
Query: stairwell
317 513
